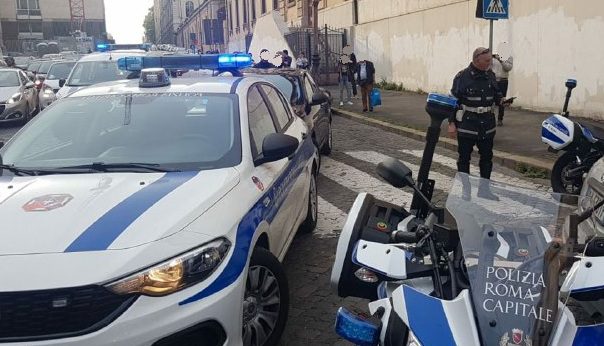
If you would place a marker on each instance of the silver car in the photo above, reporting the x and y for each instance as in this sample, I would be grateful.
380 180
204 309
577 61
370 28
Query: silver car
18 96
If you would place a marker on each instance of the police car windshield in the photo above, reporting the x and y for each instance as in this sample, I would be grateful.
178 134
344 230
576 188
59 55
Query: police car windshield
60 70
86 73
191 131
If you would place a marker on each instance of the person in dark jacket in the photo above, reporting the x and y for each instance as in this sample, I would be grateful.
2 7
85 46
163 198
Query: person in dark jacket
352 67
287 60
365 76
264 63
474 124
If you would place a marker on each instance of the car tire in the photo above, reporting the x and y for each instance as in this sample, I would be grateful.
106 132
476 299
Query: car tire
310 223
328 145
264 318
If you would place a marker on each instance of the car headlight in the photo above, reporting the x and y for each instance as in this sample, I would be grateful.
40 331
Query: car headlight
15 98
176 273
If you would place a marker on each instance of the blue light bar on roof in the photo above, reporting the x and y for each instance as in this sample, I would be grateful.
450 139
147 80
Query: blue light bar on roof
186 62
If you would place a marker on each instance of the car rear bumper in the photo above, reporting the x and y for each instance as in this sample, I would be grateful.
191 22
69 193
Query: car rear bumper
12 112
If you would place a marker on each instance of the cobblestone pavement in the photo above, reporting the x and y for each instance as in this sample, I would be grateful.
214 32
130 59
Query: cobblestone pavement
350 169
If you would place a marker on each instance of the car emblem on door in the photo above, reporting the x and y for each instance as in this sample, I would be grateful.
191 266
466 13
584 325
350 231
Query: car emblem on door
47 202
258 183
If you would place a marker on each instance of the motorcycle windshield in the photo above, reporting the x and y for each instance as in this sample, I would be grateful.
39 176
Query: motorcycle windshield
512 250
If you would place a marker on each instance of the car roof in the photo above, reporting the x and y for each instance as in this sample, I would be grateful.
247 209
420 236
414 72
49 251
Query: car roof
10 69
178 85
113 55
294 72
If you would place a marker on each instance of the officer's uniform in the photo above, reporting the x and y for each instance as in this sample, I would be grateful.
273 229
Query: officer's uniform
478 94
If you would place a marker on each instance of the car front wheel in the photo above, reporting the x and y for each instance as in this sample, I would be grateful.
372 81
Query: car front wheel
266 300
310 223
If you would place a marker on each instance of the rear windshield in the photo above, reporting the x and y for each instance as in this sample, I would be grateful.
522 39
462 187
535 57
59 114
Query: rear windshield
86 73
60 70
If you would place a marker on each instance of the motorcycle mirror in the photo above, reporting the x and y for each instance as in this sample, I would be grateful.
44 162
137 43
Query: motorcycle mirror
395 173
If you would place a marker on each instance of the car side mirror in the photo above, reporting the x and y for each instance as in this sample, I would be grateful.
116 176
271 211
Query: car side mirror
277 146
61 83
318 98
395 173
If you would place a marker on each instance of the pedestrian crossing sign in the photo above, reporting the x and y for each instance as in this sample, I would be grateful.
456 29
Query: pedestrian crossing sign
495 9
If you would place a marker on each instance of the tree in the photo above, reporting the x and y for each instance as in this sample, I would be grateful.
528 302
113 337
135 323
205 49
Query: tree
149 26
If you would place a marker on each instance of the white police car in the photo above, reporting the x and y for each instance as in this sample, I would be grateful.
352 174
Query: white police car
154 213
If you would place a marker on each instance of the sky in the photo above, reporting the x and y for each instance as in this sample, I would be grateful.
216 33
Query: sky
125 19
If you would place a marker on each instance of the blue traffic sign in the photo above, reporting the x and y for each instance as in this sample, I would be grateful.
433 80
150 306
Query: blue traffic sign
495 9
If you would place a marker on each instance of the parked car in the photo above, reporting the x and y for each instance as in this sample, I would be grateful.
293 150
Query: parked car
58 70
23 61
309 101
96 68
18 96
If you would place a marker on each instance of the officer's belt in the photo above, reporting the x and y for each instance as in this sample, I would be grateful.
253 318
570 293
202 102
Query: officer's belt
478 110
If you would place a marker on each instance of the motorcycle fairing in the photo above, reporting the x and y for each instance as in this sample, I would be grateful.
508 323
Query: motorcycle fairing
385 259
434 321
557 131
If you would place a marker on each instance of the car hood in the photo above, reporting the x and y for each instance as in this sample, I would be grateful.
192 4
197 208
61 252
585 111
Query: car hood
7 92
66 90
105 211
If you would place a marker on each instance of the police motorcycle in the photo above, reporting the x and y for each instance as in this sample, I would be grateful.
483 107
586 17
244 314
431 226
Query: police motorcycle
518 271
582 147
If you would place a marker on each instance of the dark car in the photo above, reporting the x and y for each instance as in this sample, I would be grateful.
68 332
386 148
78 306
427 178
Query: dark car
309 101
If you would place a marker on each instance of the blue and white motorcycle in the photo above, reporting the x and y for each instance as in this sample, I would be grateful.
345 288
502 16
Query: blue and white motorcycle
583 145
517 271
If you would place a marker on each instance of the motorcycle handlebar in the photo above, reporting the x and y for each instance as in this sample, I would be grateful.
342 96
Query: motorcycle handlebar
404 237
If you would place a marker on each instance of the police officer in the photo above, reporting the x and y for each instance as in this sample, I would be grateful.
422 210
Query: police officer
476 89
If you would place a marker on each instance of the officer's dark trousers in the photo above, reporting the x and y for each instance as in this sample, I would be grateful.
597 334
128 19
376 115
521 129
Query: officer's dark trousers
485 149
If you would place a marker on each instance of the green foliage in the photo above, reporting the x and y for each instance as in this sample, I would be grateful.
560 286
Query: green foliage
149 26
531 172
385 85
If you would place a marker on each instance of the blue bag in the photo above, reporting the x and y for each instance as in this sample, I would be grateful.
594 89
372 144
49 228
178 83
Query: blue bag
375 97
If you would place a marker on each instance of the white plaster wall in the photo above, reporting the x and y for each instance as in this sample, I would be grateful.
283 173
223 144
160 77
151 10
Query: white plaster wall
424 43
338 16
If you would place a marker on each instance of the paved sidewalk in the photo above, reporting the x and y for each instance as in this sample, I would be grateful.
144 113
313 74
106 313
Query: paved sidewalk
518 141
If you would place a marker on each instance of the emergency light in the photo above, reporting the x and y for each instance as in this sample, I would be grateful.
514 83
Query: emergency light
186 62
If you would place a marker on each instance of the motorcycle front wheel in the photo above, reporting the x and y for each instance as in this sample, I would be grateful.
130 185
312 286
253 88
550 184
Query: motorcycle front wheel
559 180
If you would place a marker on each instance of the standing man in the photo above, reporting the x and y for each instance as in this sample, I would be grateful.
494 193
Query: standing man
352 67
344 79
287 60
501 68
476 90
302 61
264 63
365 74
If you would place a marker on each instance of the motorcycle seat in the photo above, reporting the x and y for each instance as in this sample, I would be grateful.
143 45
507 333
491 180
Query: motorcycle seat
596 131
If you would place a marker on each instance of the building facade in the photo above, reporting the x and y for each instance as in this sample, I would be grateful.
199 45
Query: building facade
204 27
24 23
169 16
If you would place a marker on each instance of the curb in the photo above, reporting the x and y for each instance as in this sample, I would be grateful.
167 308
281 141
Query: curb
500 157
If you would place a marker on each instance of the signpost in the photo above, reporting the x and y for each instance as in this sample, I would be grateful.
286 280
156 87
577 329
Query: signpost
492 10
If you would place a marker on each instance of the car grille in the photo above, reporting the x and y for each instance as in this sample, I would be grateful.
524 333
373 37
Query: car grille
58 313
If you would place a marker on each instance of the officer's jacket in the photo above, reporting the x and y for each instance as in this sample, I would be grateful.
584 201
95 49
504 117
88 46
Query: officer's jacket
476 88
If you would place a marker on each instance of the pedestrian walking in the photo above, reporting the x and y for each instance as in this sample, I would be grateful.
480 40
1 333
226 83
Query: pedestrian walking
302 61
365 74
343 79
352 67
502 68
474 124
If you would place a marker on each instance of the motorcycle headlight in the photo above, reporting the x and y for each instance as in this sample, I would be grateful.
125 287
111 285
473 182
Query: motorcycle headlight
176 273
15 98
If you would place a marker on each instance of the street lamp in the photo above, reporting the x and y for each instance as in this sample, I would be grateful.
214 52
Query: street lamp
316 58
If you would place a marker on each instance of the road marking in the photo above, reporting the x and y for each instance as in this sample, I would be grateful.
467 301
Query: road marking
360 181
500 177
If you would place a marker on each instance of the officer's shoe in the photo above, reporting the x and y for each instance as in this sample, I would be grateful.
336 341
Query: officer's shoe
500 123
484 191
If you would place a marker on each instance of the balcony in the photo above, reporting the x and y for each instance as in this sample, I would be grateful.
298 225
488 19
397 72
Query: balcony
30 35
24 13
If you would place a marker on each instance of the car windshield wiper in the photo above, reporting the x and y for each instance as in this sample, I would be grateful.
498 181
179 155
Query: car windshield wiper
129 166
18 171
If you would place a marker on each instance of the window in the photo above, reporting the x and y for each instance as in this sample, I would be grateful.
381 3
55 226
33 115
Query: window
253 9
231 15
309 89
263 6
279 109
261 122
28 8
275 4
189 7
245 11
237 12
